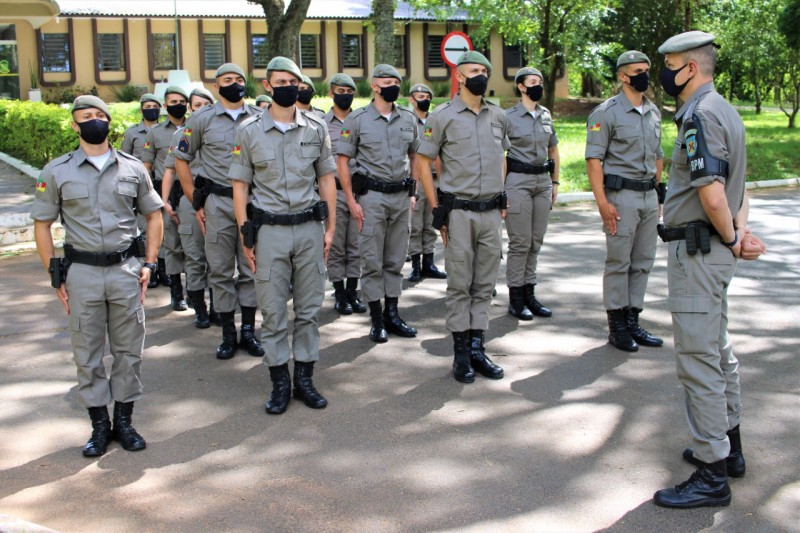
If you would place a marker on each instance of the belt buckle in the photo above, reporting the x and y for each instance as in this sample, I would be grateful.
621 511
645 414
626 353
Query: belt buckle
295 218
483 206
107 259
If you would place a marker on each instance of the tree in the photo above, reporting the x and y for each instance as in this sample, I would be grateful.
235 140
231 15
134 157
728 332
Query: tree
283 25
383 22
788 83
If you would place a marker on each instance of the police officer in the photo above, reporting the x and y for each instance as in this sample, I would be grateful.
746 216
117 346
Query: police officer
209 133
343 259
624 161
305 95
532 185
706 225
281 155
381 137
191 236
263 101
94 191
422 240
154 153
469 135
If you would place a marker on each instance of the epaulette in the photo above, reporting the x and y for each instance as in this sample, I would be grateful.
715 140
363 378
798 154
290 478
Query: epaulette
249 120
406 109
358 112
202 111
126 155
255 108
441 106
312 115
60 160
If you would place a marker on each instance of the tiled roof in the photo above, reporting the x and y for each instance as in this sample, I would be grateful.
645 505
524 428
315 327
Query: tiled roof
318 9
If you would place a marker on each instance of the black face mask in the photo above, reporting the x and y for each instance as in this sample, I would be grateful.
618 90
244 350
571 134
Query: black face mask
151 115
94 131
423 105
668 81
390 93
304 96
177 110
285 96
343 101
640 82
477 84
535 92
232 93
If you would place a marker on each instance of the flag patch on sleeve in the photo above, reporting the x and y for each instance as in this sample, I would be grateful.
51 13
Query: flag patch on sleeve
187 132
41 186
345 133
594 127
237 150
428 131
147 146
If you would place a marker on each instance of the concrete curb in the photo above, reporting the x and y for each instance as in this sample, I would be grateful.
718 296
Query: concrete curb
20 165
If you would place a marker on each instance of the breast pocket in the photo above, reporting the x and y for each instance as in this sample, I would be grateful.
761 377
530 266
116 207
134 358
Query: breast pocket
311 149
73 193
497 131
128 186
459 143
679 155
626 137
408 134
262 156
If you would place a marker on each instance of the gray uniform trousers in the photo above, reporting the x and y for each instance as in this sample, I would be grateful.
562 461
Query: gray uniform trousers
343 259
193 244
106 301
631 252
529 202
472 258
284 255
707 368
423 236
173 250
224 255
382 243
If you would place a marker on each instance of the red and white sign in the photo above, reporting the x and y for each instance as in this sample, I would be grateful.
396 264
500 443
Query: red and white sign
454 44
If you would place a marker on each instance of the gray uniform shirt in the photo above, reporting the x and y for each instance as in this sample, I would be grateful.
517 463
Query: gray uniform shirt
470 146
96 206
133 140
421 123
156 146
724 134
380 147
530 137
282 167
169 162
210 131
335 131
628 142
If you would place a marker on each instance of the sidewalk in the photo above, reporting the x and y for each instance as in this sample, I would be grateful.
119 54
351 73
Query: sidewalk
576 437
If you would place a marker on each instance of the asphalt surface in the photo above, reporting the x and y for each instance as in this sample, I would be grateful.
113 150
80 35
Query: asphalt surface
576 437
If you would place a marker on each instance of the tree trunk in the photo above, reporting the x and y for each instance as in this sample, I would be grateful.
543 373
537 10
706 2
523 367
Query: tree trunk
383 21
687 15
283 25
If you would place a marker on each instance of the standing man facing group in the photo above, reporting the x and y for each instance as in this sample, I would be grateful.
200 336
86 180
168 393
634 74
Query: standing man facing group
624 160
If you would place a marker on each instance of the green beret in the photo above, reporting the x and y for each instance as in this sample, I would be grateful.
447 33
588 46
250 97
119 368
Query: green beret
230 68
264 98
343 80
685 41
88 101
149 97
632 56
474 57
527 71
174 89
284 64
203 92
421 88
386 71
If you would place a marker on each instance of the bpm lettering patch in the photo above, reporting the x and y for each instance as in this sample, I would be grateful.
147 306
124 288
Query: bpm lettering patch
345 133
691 142
594 127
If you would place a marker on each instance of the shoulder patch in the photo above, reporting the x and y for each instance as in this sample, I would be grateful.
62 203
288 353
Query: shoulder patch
183 145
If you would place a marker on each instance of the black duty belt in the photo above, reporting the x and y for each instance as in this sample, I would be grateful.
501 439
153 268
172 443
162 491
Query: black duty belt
99 259
318 212
679 234
479 206
616 183
387 187
696 234
220 190
515 165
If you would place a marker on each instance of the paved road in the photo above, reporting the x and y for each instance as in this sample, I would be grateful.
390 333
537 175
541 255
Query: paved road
577 437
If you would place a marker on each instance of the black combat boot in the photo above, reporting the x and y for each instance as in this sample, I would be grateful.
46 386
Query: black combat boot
462 370
281 389
352 296
123 430
227 349
304 387
163 278
201 318
618 331
639 334
177 301
533 304
706 487
342 305
416 269
101 432
392 321
516 304
213 315
248 339
735 460
478 358
429 269
378 331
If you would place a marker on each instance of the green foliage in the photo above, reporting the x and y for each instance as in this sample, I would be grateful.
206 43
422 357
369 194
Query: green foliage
363 88
251 87
321 88
441 89
127 93
789 24
405 87
65 95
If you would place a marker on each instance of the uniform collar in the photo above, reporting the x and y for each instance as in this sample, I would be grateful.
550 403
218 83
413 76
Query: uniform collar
626 104
460 106
699 93
81 157
375 114
143 127
266 119
331 116
522 110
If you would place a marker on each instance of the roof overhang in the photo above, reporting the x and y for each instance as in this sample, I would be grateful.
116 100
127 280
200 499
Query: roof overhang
37 12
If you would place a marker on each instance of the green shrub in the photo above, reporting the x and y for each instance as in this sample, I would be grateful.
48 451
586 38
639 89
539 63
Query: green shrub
251 87
127 93
364 88
441 88
405 87
321 88
65 95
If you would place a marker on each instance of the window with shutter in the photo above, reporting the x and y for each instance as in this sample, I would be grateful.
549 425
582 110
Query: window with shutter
434 51
55 52
164 55
111 51
400 54
260 57
351 51
214 44
309 50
